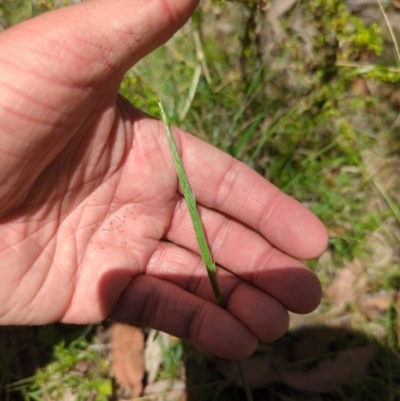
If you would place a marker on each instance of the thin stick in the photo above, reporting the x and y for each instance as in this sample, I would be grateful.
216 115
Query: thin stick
392 34
199 230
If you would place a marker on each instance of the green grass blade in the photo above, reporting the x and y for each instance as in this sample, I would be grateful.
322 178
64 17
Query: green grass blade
199 230
244 138
194 215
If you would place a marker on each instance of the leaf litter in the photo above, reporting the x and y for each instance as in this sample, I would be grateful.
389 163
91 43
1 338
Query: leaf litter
137 364
127 356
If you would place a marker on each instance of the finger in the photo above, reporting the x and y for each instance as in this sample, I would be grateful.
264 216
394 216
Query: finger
264 315
155 303
247 254
261 313
221 182
291 284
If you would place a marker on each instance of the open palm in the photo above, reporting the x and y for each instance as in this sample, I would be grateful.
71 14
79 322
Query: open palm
93 224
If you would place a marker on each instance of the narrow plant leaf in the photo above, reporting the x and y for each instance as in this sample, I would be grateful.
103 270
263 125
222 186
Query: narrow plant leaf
199 230
194 215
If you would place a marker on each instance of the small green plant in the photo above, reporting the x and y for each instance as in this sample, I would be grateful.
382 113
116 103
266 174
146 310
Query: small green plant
76 368
172 357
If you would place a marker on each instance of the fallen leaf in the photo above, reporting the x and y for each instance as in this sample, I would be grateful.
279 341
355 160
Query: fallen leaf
349 283
127 348
375 306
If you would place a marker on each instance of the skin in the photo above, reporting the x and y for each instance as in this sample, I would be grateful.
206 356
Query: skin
92 221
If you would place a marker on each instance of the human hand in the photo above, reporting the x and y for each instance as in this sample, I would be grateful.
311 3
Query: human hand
93 224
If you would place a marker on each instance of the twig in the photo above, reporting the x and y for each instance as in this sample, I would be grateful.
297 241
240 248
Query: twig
396 46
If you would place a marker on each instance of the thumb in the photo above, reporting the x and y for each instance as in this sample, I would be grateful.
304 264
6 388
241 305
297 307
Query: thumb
98 38
61 70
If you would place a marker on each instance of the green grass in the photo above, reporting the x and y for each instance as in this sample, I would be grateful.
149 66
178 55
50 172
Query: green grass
52 362
14 11
63 375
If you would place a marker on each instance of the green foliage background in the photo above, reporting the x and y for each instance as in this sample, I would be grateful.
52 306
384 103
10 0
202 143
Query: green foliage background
14 11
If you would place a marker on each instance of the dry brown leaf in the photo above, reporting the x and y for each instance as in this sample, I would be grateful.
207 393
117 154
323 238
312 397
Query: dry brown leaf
127 347
375 306
349 283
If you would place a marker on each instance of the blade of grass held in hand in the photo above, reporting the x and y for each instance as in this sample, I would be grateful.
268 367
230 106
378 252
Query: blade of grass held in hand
194 215
198 228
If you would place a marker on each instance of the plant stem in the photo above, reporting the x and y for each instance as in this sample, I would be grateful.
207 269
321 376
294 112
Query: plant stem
199 230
